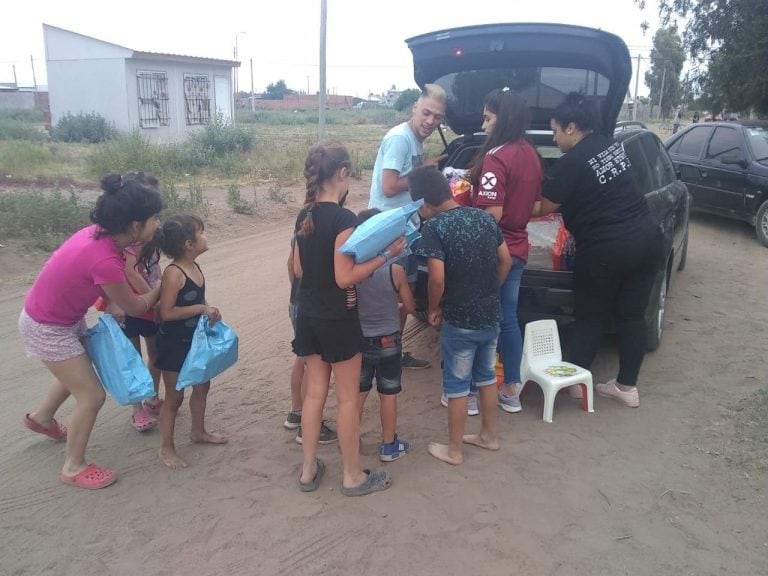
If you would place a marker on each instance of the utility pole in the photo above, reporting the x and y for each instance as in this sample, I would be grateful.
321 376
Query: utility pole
253 104
637 82
323 95
15 81
661 93
34 78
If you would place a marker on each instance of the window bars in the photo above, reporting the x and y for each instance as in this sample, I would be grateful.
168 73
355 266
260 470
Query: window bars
153 99
197 99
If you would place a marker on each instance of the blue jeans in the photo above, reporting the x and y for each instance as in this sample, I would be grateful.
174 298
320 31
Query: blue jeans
469 358
510 338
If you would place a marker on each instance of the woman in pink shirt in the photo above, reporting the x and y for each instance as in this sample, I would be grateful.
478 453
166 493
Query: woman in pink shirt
52 323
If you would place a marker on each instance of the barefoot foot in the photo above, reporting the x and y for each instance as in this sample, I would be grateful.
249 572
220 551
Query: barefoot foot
209 438
477 440
171 460
442 452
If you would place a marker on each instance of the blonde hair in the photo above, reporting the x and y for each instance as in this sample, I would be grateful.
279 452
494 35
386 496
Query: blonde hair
434 92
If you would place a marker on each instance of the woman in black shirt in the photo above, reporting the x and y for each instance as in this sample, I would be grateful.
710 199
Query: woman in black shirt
328 331
617 242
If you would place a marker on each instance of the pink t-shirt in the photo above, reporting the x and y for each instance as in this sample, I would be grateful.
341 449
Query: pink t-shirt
71 279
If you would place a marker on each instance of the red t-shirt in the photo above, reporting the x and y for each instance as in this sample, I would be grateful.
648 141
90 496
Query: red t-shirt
511 178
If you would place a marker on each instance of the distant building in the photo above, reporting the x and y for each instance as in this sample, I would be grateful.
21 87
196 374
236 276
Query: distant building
164 96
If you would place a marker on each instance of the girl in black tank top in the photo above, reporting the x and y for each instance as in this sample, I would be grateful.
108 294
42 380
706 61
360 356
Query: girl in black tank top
182 301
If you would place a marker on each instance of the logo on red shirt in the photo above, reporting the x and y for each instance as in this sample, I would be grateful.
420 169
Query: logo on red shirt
487 184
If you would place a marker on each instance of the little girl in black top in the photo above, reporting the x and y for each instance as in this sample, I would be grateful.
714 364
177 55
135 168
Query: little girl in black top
182 301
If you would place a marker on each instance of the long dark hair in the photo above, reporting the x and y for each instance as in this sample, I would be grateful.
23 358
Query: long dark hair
513 118
132 198
323 161
580 110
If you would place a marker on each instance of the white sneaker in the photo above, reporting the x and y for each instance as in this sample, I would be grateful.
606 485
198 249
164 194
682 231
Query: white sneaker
510 402
471 404
629 398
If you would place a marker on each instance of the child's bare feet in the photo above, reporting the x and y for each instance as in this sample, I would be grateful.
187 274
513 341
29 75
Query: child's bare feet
478 440
171 460
443 452
209 438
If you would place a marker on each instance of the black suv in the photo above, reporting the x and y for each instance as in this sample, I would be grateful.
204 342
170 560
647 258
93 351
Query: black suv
544 62
725 165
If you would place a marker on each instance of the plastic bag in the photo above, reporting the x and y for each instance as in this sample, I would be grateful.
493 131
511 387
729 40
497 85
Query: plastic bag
213 350
461 188
374 235
550 245
118 365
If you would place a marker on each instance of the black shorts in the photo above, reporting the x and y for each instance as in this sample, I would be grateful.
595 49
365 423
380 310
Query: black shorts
334 340
171 353
134 327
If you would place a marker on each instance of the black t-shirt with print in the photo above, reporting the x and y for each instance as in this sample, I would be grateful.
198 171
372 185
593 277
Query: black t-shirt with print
466 240
319 296
599 199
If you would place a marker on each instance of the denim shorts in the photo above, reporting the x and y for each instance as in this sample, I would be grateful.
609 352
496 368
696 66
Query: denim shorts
469 358
382 359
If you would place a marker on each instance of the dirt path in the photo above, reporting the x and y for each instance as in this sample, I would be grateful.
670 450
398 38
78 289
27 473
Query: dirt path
636 492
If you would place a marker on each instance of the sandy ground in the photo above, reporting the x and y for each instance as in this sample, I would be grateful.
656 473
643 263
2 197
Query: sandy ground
618 492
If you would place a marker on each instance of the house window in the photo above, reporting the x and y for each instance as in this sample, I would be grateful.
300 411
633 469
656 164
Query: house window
153 99
197 98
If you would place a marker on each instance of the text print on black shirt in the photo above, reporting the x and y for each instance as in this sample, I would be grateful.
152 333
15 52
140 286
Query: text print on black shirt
610 163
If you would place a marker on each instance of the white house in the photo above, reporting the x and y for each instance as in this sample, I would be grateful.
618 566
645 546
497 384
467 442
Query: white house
164 96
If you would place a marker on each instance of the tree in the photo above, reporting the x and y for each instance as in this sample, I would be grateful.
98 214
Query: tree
729 38
277 91
667 59
406 99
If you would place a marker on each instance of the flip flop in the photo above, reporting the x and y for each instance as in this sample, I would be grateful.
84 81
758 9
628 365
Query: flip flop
55 431
378 480
313 484
92 478
143 420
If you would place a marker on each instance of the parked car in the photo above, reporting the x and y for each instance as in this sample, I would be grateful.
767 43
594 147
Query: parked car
725 165
628 125
544 62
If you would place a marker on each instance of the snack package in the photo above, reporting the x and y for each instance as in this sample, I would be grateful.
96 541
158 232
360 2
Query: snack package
550 245
460 185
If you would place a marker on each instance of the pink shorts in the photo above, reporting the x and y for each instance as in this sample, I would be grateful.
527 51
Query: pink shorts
50 342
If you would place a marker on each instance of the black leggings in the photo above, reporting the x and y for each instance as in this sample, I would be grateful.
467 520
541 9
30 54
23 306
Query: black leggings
614 279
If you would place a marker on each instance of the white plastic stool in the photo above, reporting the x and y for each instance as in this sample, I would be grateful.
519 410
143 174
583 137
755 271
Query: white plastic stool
543 364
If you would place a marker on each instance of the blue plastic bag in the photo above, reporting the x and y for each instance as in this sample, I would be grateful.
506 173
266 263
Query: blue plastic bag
374 235
213 350
120 368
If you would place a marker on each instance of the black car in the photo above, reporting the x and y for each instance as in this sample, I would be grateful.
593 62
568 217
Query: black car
725 165
544 62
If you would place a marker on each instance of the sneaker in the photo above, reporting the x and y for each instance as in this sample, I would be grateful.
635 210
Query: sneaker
410 361
293 420
392 451
327 435
471 404
510 402
629 398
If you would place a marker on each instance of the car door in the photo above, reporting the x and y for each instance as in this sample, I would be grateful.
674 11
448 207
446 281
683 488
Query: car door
686 152
723 182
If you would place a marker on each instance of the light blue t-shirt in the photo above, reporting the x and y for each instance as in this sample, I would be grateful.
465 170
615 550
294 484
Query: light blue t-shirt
401 151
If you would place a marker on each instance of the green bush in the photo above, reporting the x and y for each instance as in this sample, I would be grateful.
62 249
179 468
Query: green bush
223 137
193 202
91 127
22 124
238 204
42 220
27 115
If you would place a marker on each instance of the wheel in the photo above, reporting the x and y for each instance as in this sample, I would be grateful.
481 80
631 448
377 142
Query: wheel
761 224
684 255
655 328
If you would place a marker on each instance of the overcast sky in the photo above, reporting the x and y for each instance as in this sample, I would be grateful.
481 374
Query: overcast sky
366 51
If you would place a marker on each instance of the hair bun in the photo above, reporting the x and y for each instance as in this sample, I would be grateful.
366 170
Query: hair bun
111 183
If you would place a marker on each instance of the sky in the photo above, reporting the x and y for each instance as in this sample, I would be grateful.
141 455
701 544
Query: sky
366 50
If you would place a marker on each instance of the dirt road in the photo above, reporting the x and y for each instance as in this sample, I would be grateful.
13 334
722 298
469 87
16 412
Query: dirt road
650 491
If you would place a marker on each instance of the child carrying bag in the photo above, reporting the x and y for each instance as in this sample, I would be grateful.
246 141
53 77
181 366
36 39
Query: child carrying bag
118 365
213 350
